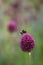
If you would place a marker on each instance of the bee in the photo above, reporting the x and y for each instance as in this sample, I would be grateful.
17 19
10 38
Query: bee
23 31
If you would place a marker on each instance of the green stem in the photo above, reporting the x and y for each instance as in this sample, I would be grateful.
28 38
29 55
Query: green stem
28 59
10 38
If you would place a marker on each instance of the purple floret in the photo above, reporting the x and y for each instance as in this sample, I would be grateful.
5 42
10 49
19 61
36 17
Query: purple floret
27 42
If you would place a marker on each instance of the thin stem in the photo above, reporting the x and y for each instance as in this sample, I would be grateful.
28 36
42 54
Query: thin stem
10 38
26 59
30 58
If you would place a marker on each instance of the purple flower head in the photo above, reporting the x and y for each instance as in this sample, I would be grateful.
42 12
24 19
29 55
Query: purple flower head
27 42
12 26
16 4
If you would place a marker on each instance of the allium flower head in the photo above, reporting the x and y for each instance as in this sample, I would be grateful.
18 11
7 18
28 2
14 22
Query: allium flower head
16 4
12 26
27 42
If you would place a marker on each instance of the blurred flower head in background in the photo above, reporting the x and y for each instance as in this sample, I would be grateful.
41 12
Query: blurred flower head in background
12 26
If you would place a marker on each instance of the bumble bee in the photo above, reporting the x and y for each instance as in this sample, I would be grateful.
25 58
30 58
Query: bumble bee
23 31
